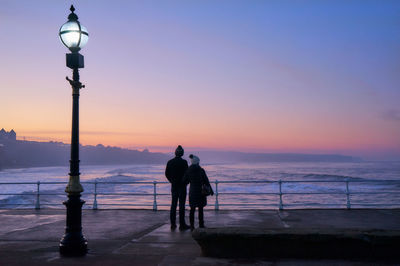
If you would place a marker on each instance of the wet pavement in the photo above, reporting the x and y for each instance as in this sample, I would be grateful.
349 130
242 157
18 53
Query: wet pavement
143 237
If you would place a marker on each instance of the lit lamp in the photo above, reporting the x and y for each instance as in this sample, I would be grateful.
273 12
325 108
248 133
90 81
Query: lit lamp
74 36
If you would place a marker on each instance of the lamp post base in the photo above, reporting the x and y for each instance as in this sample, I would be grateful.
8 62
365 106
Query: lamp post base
73 242
73 245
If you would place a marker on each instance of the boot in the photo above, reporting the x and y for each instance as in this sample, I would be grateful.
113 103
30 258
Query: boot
201 218
191 217
184 227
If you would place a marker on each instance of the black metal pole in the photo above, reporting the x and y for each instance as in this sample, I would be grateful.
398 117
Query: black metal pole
74 162
73 242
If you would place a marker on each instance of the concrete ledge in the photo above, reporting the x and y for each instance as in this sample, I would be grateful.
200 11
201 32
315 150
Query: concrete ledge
234 242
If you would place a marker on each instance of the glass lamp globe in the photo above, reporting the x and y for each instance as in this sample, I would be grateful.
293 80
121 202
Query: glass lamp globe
73 34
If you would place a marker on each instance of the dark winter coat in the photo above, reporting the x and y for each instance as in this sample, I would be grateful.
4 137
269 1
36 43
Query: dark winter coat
175 171
196 176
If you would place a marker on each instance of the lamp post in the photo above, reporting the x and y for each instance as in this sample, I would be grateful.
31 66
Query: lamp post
74 36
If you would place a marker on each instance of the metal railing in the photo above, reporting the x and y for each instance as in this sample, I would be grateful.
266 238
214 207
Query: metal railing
278 185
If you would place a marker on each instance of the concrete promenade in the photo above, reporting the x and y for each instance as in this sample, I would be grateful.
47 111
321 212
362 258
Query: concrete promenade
143 237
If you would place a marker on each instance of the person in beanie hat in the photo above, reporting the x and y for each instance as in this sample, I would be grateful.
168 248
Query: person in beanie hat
174 172
197 177
194 159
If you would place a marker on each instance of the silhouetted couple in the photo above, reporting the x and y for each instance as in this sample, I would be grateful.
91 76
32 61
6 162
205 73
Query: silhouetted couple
180 175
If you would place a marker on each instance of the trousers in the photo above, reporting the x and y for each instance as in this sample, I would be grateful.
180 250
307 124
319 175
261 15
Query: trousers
201 216
178 193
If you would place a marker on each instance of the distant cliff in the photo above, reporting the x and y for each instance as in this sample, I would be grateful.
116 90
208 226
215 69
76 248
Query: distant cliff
19 154
237 157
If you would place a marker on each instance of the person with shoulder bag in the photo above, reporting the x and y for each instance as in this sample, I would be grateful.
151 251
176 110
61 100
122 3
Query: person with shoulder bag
199 189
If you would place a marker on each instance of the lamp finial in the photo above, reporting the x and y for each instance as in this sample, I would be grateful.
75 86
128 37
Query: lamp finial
72 16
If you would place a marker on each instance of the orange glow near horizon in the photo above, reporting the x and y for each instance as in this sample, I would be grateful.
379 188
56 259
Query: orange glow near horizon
222 140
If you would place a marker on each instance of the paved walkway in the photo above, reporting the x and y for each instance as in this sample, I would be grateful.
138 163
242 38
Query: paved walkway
143 237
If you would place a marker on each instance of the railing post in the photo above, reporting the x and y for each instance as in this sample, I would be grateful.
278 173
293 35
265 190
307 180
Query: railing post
216 196
348 194
280 195
37 205
155 196
95 195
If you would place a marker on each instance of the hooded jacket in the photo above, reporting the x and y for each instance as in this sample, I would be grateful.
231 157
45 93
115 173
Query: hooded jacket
196 176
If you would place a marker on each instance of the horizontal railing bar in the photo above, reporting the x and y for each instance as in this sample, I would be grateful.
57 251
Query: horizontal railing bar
226 182
248 193
141 205
53 204
375 180
53 183
314 204
130 194
119 193
373 192
282 181
283 193
245 181
126 194
285 205
374 204
338 181
16 183
34 194
15 194
31 183
16 203
227 204
58 194
248 204
314 193
220 193
343 181
125 182
307 181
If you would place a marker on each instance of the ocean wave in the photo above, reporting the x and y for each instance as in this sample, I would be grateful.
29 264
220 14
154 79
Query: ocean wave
119 178
150 173
323 177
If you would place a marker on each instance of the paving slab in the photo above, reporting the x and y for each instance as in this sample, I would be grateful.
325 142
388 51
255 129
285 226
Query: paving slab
342 219
143 237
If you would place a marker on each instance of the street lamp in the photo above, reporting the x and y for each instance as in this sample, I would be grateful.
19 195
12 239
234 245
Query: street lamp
74 36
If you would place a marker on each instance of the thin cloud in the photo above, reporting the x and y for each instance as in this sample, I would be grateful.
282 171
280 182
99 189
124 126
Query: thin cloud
393 115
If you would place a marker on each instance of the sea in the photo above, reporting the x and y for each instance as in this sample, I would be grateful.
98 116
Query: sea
240 186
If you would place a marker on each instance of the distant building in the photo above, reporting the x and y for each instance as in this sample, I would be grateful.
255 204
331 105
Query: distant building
8 136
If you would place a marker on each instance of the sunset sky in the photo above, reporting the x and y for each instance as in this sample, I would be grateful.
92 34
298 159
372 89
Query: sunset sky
259 76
